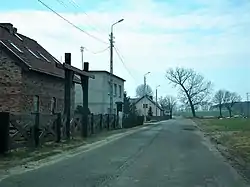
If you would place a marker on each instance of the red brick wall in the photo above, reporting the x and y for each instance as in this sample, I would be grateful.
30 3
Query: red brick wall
17 88
46 87
10 84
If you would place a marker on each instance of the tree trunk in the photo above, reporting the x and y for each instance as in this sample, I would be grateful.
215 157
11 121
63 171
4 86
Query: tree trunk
192 107
170 115
230 113
220 107
193 110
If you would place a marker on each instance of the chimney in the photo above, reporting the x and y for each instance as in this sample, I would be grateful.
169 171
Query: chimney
151 97
8 26
14 30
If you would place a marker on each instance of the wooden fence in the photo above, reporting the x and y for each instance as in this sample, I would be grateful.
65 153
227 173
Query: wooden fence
27 130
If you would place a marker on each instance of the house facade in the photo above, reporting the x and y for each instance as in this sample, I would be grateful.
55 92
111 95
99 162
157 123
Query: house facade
29 78
144 103
99 89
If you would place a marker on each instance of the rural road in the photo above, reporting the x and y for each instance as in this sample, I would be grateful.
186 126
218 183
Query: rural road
171 153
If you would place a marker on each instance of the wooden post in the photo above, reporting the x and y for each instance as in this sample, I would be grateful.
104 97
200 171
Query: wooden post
108 122
92 123
36 129
115 124
4 132
85 89
67 94
100 122
58 127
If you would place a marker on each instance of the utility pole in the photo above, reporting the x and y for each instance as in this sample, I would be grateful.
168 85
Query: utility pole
144 94
111 72
156 108
82 50
248 104
111 68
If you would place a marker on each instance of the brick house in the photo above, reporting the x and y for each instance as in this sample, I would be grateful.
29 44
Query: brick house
29 78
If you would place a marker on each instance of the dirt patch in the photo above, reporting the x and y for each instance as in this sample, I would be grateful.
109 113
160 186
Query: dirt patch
21 156
232 139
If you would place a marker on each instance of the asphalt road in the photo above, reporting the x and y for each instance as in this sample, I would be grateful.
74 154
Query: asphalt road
170 154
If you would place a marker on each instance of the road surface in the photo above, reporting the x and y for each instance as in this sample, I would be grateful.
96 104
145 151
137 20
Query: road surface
171 153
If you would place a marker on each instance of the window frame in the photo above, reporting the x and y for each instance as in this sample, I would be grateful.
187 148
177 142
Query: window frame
32 52
115 90
43 56
17 48
120 91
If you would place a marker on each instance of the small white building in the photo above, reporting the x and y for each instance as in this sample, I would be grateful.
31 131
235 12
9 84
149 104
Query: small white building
144 103
99 89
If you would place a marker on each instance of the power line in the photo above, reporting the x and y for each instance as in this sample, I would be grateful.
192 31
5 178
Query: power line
121 59
76 6
62 3
72 24
98 52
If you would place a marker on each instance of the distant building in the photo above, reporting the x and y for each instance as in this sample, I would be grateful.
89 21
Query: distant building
99 89
144 103
29 78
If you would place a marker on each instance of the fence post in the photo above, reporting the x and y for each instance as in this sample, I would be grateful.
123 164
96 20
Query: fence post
100 122
108 122
36 129
58 127
114 121
4 132
92 123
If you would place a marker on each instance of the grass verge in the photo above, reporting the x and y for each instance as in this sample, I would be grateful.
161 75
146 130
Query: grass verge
22 156
232 137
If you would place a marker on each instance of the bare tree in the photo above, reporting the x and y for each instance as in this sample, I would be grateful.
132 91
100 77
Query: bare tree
219 99
168 103
140 90
194 89
230 99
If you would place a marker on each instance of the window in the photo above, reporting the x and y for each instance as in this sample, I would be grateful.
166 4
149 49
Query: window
53 105
16 47
43 57
32 53
36 103
145 105
18 37
115 90
120 91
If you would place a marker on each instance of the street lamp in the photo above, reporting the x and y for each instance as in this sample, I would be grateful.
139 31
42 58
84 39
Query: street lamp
145 83
156 108
111 65
144 90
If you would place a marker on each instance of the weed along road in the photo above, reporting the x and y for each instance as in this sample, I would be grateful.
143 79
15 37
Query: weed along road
171 153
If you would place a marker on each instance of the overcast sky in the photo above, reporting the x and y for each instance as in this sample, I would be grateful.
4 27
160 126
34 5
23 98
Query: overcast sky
211 36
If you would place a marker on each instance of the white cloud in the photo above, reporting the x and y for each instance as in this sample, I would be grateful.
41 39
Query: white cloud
149 38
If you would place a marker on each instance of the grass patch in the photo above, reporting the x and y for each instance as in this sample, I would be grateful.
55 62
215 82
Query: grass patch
233 133
233 124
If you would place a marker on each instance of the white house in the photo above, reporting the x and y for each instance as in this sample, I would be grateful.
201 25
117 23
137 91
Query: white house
144 103
99 88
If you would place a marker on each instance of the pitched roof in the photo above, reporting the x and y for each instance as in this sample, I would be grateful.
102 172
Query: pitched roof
136 100
31 54
102 71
